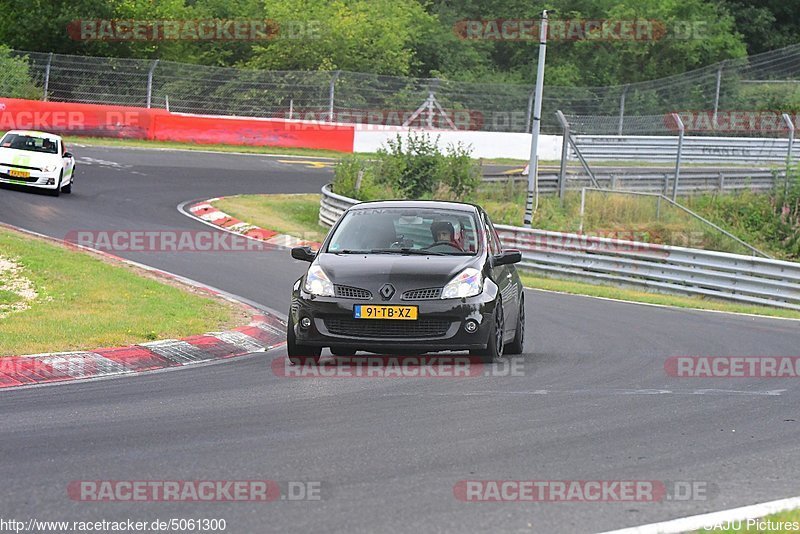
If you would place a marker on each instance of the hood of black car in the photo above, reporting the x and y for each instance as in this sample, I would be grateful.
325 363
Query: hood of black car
371 271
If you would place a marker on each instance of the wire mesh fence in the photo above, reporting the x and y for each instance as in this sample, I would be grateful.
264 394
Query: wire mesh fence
768 81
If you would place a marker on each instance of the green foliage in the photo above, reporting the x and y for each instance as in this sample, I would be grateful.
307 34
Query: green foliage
359 35
417 37
412 170
411 167
16 81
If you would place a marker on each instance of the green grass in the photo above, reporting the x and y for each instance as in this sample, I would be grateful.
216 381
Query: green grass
297 215
749 216
139 143
85 303
7 297
788 517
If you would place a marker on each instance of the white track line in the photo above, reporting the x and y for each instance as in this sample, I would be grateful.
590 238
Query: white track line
696 522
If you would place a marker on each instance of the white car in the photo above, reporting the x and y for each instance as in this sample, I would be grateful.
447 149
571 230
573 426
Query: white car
36 159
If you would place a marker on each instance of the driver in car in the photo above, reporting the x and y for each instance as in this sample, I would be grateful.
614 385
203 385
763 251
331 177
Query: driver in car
443 232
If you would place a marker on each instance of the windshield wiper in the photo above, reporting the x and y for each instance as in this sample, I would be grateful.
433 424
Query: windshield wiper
406 251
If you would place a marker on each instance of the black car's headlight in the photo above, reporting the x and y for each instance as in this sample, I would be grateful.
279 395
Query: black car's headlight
317 282
467 283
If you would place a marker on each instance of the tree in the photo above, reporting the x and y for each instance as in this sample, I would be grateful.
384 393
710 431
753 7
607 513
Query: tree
16 81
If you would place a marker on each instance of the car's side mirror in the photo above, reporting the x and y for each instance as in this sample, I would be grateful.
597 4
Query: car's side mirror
507 257
304 254
68 155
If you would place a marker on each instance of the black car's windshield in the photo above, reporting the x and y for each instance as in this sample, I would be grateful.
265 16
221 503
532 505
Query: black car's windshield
432 231
30 143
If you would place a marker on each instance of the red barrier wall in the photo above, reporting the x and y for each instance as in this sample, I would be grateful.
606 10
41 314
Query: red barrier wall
77 119
241 131
141 123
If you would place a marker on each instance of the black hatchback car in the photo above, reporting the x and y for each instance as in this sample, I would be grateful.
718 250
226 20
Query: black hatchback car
408 277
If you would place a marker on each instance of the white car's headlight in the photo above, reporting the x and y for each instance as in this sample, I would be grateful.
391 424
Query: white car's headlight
467 283
317 282
49 168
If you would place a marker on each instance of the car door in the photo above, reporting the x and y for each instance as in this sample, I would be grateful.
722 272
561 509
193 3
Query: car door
68 162
503 277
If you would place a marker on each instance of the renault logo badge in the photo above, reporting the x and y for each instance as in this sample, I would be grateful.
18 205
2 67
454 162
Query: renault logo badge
387 291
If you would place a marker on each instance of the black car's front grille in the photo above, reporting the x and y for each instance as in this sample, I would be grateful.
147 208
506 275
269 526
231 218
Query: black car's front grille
429 293
347 292
5 176
387 329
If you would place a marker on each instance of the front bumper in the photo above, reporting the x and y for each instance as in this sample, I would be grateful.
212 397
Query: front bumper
44 180
440 324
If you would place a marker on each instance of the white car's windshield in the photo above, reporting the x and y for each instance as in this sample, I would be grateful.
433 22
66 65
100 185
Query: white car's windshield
406 230
30 143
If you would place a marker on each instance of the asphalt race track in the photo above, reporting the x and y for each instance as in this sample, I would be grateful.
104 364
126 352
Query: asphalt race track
593 403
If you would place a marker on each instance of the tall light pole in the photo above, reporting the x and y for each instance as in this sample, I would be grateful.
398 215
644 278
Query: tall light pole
533 166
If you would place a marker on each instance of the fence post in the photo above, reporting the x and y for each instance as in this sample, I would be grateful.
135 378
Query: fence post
583 207
430 109
658 208
788 121
530 111
47 76
622 108
678 158
150 82
716 95
562 173
331 94
721 182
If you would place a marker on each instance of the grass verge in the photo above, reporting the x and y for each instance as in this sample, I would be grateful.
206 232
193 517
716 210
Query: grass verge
84 302
297 215
633 295
140 143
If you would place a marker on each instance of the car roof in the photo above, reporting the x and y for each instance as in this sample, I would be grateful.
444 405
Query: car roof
457 206
35 133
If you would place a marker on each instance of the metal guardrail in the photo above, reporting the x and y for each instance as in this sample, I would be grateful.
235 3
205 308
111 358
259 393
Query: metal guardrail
655 180
659 268
695 149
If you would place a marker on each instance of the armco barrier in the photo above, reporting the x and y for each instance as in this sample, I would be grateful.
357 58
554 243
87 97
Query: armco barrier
696 149
662 268
158 124
645 180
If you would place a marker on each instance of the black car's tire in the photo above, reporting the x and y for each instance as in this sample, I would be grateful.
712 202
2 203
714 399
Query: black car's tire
494 347
343 351
299 354
517 345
